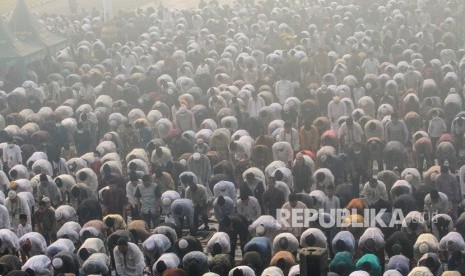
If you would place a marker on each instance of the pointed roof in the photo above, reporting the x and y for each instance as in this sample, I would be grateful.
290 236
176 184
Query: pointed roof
11 48
27 28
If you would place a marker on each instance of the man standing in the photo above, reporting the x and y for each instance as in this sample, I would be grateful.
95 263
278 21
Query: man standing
200 165
290 135
373 191
16 206
45 222
302 175
273 198
254 105
129 259
114 199
148 196
448 184
198 194
131 187
11 155
284 89
288 207
248 206
350 133
336 109
371 64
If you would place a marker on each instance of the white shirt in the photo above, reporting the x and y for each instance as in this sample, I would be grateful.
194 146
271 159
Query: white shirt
23 230
436 127
251 211
12 156
4 218
284 90
131 263
351 136
371 66
286 154
16 208
131 191
336 110
292 138
254 106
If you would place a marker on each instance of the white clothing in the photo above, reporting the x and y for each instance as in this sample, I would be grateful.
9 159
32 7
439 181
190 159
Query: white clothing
254 106
251 211
371 66
292 138
12 156
221 238
132 263
38 243
225 188
284 89
23 230
4 218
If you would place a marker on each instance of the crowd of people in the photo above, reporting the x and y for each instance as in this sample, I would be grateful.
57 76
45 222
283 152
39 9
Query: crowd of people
178 147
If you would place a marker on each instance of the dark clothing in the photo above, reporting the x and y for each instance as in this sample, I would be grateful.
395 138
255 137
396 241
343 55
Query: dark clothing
302 178
257 192
118 180
238 227
82 142
70 263
45 224
114 200
89 209
359 167
272 200
60 136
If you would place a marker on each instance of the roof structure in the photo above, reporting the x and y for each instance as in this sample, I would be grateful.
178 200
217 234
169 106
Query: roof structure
28 29
11 48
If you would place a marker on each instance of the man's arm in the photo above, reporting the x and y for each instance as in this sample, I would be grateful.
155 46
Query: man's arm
139 262
118 261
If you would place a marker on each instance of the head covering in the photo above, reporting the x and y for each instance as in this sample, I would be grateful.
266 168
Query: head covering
273 271
392 272
57 263
11 194
150 244
420 271
342 261
13 185
399 263
359 273
370 262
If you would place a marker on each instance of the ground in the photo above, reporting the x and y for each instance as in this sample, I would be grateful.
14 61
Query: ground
62 6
